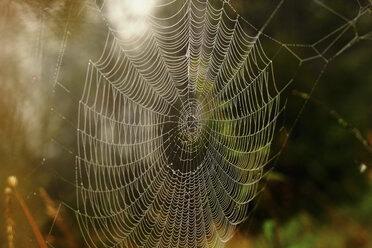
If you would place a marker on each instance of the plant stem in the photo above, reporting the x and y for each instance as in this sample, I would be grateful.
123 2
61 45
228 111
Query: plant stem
9 217
30 219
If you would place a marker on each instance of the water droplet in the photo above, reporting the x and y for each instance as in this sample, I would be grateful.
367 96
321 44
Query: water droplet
362 168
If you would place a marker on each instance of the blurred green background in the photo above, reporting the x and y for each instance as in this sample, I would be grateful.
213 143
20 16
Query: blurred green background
319 192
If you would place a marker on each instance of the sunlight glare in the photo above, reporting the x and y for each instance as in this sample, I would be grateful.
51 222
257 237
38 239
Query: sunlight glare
139 7
127 16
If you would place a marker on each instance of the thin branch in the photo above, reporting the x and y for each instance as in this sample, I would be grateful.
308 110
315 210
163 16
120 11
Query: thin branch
12 181
356 133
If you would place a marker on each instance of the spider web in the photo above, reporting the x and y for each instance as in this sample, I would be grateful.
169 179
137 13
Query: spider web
177 119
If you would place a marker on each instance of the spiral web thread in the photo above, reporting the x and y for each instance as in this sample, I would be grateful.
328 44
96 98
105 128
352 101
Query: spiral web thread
175 126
